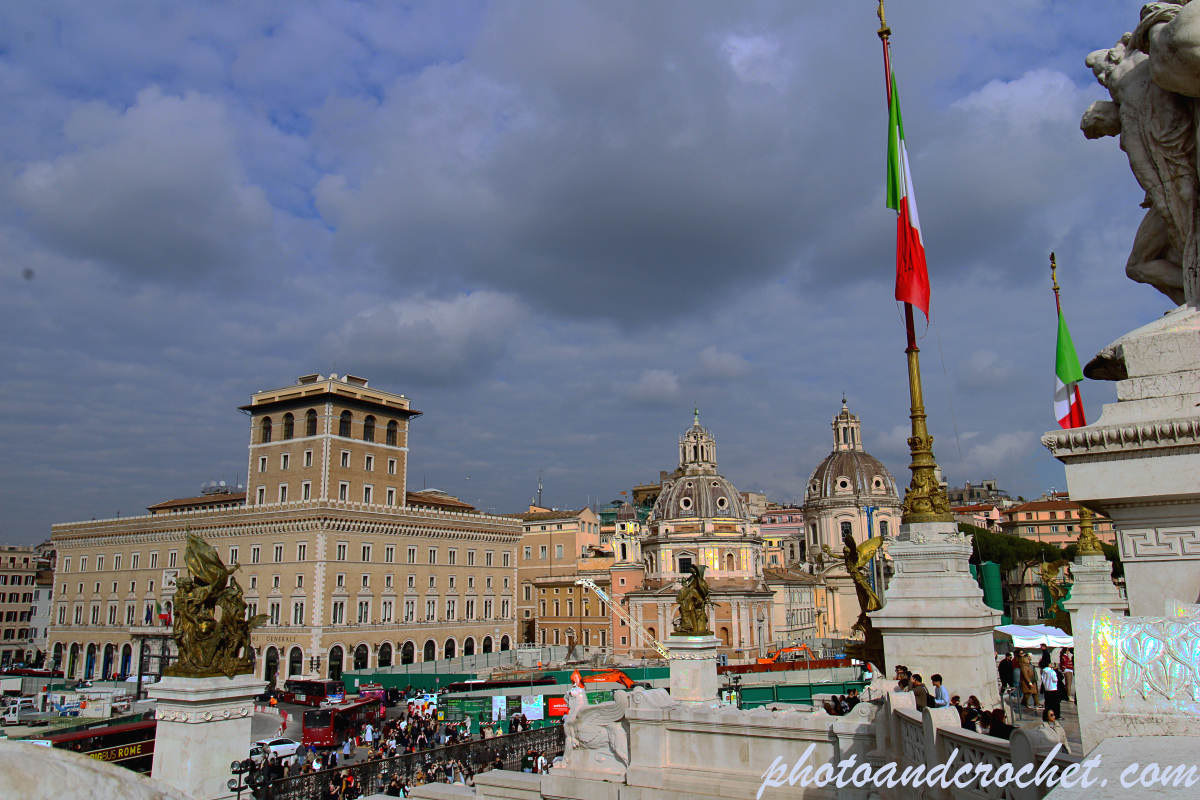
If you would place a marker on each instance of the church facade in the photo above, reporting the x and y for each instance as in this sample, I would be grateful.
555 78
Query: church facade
700 518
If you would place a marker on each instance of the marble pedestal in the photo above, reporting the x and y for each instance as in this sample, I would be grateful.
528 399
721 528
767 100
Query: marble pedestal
1139 463
934 619
694 668
203 726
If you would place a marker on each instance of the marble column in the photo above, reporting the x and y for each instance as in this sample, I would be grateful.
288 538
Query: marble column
694 669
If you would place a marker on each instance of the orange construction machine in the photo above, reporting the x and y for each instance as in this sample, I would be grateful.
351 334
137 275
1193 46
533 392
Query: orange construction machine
800 648
610 676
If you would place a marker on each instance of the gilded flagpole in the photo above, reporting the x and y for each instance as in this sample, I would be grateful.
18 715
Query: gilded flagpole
924 500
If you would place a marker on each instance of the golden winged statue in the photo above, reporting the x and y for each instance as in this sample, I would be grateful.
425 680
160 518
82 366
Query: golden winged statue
855 558
1049 573
210 643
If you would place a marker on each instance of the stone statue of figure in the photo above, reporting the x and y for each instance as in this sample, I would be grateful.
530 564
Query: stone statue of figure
1152 75
855 558
693 604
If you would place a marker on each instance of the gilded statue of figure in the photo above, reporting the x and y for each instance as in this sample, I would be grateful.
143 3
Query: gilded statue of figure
210 643
855 558
1049 575
693 604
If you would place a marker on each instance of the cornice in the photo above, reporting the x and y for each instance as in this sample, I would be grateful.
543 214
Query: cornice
1142 438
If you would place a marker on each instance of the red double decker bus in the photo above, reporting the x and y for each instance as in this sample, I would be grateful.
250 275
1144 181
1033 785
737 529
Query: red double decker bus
130 745
329 727
313 693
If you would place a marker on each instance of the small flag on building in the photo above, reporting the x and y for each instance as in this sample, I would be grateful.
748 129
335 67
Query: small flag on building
1068 402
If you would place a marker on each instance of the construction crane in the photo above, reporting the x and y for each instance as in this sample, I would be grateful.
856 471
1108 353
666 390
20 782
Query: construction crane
623 614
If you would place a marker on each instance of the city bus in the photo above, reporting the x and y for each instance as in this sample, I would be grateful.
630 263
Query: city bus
313 693
507 683
130 745
329 727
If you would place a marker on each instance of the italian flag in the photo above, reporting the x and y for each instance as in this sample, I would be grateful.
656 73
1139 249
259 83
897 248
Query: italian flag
912 277
1068 403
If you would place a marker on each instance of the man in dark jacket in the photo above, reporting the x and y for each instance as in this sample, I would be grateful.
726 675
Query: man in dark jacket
1005 669
920 692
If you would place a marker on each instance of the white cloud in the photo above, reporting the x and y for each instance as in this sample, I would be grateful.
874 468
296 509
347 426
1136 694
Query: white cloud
755 59
655 387
154 189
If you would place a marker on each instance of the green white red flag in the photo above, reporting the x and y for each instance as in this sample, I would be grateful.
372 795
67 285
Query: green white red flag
912 276
1068 402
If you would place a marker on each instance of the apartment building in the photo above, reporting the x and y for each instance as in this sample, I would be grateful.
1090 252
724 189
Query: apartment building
347 574
18 578
1054 520
554 544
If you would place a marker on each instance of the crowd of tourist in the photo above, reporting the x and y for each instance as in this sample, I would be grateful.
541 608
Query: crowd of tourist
840 705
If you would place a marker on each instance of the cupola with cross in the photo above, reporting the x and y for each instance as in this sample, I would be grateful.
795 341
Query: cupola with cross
847 431
697 450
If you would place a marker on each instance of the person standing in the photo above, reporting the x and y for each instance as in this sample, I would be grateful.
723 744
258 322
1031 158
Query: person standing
1049 686
1043 660
1029 688
1066 661
940 697
1005 668
541 763
528 762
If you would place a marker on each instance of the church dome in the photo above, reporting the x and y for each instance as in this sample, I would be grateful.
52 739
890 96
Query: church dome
700 497
849 470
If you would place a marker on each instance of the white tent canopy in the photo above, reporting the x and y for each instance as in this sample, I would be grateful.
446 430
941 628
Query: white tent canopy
1036 635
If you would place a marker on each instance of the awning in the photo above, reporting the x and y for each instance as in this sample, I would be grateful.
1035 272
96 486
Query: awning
1035 635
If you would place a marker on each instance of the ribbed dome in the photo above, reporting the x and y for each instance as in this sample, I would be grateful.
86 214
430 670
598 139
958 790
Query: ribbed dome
700 496
849 472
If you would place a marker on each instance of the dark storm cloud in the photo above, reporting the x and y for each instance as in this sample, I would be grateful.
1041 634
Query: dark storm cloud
556 226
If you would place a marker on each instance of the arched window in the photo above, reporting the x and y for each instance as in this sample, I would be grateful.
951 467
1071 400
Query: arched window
407 653
883 528
296 662
729 562
266 430
430 653
335 663
369 429
487 644
310 422
469 647
392 429
289 426
624 553
450 648
813 530
846 530
72 661
724 635
89 664
361 656
110 653
504 643
344 424
271 664
385 654
58 654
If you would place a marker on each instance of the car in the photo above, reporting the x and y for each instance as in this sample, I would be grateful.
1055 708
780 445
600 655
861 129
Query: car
280 748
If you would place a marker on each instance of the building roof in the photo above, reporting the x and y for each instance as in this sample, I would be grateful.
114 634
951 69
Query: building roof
436 498
976 507
546 516
1045 505
700 497
310 389
234 498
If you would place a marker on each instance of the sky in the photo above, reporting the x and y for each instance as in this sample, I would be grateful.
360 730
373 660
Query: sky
557 227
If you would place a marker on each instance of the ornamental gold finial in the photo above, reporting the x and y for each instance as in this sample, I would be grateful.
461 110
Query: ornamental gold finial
1088 543
884 31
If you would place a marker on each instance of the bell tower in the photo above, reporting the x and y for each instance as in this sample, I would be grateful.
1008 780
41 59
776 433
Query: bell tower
697 450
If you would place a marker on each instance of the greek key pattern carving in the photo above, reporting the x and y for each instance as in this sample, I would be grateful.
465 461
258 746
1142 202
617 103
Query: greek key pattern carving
1153 543
1117 438
1155 657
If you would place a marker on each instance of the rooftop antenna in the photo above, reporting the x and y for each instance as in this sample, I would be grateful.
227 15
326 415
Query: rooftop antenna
539 502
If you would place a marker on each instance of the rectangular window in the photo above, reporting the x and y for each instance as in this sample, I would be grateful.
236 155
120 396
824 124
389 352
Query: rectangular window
506 558
78 615
487 609
297 613
83 563
341 551
366 580
253 581
345 459
283 492
412 555
391 497
278 553
262 463
504 609
542 552
233 555
470 581
528 553
339 612
488 582
262 495
432 581
343 491
391 466
254 554
172 557
133 561
341 580
450 610
62 615
386 613
112 615
66 565
95 615
430 610
470 558
528 592
285 461
367 495
452 579
433 555
300 581
117 561
273 613
128 616
251 610
452 556
558 550
99 565
369 464
487 558
470 604
308 458
153 560
274 581
387 581
410 610
412 581
302 552
389 554
306 490
366 552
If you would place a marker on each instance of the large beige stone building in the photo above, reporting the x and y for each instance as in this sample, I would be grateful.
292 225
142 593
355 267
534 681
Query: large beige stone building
347 573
